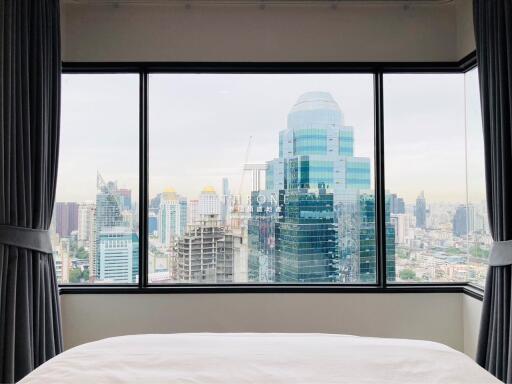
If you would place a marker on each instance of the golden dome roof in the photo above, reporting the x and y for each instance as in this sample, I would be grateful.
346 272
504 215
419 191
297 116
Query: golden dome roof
208 189
169 194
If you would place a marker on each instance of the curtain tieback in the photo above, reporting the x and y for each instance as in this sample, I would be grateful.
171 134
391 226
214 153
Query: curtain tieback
35 239
501 253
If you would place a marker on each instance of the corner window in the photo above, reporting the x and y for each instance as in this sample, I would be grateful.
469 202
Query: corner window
268 178
433 159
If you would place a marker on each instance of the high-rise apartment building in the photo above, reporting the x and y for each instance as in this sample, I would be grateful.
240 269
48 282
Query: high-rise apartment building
118 255
193 212
152 223
62 260
420 211
401 223
463 220
86 212
397 204
66 218
126 197
225 202
209 203
92 247
172 217
183 206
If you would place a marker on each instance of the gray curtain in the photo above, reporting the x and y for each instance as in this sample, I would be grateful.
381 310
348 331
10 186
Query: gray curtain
30 326
493 32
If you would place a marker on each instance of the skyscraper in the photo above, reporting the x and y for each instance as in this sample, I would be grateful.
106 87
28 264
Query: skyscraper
152 223
306 239
225 202
66 218
397 204
183 204
92 246
193 211
261 228
325 230
62 260
401 223
108 221
463 220
126 197
420 211
154 204
86 212
118 255
172 217
209 203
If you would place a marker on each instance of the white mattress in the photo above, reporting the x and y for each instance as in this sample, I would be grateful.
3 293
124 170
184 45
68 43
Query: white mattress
259 358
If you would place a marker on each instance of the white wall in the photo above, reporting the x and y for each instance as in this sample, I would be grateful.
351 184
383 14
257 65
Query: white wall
465 27
471 311
353 31
429 316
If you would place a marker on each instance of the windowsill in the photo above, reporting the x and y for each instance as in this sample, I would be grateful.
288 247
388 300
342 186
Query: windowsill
465 288
474 291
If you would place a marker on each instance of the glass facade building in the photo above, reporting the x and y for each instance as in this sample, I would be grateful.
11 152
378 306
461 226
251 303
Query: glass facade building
323 226
306 246
119 255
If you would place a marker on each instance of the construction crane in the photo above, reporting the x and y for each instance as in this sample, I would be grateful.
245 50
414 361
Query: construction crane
256 170
247 151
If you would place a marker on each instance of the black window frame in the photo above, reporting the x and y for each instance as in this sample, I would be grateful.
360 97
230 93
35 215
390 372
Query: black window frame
377 69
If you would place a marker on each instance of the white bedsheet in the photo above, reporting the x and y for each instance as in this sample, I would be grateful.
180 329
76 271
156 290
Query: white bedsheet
259 358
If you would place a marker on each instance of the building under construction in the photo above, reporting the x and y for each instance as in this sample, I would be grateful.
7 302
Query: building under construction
206 253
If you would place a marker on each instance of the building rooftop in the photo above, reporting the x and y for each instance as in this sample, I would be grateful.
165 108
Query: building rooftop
315 100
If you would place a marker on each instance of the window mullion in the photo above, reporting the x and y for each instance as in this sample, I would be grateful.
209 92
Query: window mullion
380 191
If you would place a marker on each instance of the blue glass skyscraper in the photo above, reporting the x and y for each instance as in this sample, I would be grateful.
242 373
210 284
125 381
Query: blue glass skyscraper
326 208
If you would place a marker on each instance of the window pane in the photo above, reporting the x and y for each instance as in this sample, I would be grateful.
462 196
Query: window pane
261 178
95 221
477 223
427 180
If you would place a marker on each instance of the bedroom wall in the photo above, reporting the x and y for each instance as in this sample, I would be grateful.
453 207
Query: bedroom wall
471 311
352 31
429 316
465 27
96 31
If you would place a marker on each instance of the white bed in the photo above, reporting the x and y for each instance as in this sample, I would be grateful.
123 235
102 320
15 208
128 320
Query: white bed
259 358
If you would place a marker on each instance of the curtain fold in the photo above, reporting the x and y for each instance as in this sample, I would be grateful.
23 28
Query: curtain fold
30 67
493 34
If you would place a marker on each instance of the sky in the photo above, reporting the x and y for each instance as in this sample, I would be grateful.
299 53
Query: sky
200 126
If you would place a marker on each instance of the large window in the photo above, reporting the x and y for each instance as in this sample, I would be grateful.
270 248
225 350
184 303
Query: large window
261 179
95 221
269 179
434 182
